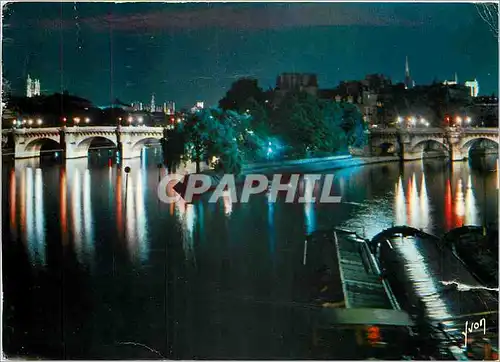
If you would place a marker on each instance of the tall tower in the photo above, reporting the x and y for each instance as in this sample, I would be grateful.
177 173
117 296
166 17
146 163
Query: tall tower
37 87
29 87
408 80
153 105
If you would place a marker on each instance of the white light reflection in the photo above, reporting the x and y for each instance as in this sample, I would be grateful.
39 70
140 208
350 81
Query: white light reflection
414 205
39 217
140 210
270 225
76 208
459 203
471 216
309 210
424 205
424 282
35 233
187 217
130 220
88 241
228 203
29 237
400 204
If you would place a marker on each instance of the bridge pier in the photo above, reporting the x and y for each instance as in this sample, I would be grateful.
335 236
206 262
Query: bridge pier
456 153
21 152
128 151
411 156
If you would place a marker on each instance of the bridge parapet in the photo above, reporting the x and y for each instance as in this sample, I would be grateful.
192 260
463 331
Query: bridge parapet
91 129
456 140
76 140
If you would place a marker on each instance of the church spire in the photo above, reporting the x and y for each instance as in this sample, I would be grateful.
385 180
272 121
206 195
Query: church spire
408 81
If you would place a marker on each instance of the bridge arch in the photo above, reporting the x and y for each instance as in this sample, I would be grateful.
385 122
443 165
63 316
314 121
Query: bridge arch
430 147
471 143
139 145
386 148
85 143
33 147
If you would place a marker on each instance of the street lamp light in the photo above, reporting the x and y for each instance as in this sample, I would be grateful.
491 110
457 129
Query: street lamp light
76 120
87 120
459 121
469 120
130 119
140 119
39 121
30 122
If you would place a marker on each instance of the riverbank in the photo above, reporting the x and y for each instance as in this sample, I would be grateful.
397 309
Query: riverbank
315 164
302 166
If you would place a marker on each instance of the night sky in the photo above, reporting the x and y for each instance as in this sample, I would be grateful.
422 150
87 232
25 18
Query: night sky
189 52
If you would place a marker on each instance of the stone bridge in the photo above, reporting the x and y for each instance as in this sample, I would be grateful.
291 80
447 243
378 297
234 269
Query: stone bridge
410 143
75 141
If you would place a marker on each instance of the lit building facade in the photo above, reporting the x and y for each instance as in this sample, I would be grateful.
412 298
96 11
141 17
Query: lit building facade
32 87
474 87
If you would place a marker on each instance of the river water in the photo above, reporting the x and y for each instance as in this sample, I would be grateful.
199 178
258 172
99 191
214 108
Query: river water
95 266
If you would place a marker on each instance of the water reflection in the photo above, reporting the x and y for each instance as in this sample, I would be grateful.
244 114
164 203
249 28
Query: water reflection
470 205
76 179
459 204
400 205
228 203
187 216
76 216
136 220
270 225
425 284
35 218
424 205
63 205
309 204
412 205
12 204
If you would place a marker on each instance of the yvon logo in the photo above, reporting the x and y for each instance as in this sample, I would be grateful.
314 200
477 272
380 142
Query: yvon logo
472 327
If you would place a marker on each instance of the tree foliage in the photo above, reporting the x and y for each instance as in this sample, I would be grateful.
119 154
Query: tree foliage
221 138
242 94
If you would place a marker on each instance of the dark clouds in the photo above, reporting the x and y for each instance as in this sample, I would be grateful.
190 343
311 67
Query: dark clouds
272 16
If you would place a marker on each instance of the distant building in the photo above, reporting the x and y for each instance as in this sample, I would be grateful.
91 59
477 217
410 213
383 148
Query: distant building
304 82
474 87
409 83
153 105
199 105
136 106
32 87
452 82
169 108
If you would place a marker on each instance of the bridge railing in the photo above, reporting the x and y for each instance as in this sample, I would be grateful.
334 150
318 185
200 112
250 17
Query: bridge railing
31 130
77 129
140 129
417 130
407 130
